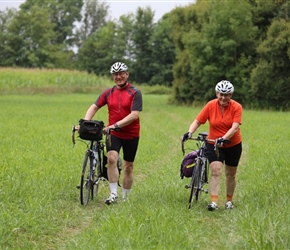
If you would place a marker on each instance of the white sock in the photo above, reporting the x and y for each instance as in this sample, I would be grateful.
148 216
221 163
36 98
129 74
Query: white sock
113 187
126 192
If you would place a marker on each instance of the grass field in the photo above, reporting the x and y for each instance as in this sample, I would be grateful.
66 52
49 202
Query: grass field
40 169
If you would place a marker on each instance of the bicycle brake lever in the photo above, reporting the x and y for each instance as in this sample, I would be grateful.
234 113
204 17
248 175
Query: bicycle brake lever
73 135
182 147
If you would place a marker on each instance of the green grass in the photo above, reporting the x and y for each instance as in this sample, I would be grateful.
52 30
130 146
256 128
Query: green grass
40 169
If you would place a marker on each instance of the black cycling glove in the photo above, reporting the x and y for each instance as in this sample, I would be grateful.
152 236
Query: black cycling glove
186 136
219 142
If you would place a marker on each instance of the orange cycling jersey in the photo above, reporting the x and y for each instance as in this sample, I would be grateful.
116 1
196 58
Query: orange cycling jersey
220 123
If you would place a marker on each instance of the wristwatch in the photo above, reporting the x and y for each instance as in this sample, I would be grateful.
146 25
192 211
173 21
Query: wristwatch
116 125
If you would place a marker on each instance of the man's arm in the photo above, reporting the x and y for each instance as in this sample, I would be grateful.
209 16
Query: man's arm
134 115
91 112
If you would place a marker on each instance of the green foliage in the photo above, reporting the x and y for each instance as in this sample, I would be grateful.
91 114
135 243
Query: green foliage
94 17
141 34
35 40
265 12
123 45
271 76
163 54
6 55
215 49
62 15
97 51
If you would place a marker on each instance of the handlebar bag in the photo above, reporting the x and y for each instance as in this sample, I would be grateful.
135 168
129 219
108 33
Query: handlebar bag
91 130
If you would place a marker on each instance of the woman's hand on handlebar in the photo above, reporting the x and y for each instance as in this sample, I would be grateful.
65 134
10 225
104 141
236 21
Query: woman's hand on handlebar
186 136
219 142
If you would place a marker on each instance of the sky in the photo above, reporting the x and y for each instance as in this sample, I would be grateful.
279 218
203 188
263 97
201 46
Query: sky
121 7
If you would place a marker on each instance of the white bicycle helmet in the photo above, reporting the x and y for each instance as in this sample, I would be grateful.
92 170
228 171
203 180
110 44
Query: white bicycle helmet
118 67
224 87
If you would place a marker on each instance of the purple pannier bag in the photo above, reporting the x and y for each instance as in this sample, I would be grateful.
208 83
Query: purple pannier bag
188 164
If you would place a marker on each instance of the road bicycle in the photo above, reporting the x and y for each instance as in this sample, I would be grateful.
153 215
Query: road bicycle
199 176
93 168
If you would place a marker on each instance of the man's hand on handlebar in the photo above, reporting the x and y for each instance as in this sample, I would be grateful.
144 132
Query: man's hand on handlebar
110 128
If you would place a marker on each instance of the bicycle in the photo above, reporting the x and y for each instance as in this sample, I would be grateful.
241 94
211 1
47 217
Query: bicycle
93 169
199 176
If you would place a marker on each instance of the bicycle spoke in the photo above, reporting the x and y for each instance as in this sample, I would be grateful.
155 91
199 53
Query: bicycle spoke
86 184
194 187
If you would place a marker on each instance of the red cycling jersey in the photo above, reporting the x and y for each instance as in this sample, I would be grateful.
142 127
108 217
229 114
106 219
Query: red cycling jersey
220 123
120 103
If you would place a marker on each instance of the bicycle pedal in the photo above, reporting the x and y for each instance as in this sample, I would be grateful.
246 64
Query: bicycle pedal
187 186
78 186
205 190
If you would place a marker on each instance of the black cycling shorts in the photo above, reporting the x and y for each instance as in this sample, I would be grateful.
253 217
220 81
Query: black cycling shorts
129 147
230 156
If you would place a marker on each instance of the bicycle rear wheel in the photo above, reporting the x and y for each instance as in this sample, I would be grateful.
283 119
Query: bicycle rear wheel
194 186
86 182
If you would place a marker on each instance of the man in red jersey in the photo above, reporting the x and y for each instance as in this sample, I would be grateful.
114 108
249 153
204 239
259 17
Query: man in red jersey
124 103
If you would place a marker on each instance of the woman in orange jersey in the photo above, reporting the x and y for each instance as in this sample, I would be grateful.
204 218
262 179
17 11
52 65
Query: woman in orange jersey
225 117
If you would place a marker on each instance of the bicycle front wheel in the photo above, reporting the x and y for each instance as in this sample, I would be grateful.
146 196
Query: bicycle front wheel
199 185
86 181
194 186
97 176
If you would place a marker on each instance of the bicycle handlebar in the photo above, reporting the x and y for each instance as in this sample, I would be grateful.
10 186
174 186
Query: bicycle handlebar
73 130
108 133
203 137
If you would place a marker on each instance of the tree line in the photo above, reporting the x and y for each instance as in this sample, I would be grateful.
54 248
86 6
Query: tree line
189 49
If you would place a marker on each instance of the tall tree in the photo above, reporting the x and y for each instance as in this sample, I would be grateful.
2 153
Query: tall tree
184 21
143 28
95 15
31 34
265 12
6 53
215 50
96 54
123 48
270 88
62 14
112 42
163 53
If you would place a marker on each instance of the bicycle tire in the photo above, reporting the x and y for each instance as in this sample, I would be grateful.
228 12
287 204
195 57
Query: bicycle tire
199 182
194 186
205 173
203 178
86 183
97 177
